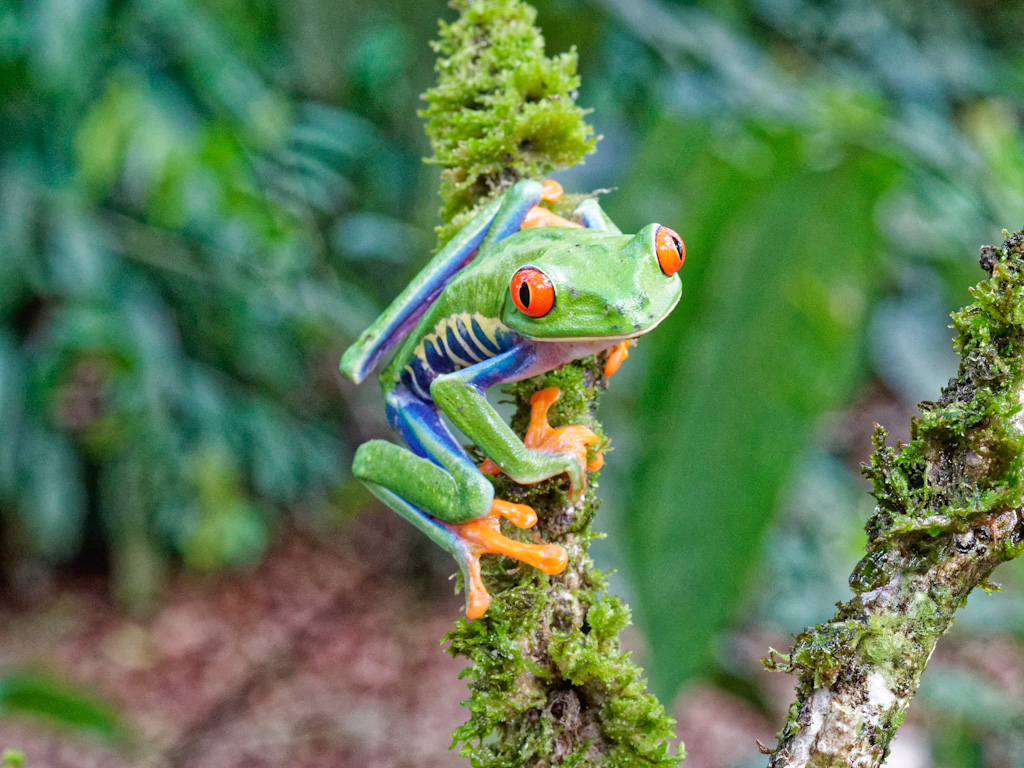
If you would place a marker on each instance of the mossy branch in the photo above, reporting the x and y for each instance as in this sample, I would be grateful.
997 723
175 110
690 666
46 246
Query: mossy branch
550 684
950 509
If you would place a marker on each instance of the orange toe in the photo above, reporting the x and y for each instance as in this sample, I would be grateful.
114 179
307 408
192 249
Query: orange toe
616 355
478 600
489 468
542 217
520 515
541 436
483 536
551 190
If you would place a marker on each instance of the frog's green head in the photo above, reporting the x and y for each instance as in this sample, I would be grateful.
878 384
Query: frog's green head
584 284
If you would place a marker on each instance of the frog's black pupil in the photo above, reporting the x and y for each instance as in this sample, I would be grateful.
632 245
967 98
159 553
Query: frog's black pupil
678 245
524 294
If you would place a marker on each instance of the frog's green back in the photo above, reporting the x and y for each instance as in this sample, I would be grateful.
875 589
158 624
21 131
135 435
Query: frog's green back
410 305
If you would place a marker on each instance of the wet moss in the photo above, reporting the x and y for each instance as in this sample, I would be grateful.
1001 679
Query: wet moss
501 110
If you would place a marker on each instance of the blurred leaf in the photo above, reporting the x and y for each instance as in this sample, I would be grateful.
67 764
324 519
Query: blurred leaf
167 198
963 693
53 493
12 395
58 701
912 345
230 530
779 274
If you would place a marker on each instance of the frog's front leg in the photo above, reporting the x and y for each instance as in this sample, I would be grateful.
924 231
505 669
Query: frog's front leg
593 216
546 453
437 487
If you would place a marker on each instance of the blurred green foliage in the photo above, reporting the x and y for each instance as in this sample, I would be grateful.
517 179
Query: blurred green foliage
59 702
201 203
172 291
769 338
819 159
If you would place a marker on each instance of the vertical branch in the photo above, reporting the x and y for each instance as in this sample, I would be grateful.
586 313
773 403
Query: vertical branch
550 684
950 509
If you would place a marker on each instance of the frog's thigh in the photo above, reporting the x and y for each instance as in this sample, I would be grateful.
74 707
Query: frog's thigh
417 480
469 494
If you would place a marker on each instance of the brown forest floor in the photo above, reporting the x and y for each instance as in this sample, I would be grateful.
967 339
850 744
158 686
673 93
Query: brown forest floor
322 656
326 655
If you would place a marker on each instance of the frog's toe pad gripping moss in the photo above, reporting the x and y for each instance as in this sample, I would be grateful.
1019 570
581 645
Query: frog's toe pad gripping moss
616 355
541 436
551 190
483 535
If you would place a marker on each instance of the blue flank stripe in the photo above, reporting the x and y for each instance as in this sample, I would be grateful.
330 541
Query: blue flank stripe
507 338
437 360
417 379
457 348
482 340
469 342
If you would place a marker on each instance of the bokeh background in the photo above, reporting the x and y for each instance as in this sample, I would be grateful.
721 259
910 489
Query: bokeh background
203 202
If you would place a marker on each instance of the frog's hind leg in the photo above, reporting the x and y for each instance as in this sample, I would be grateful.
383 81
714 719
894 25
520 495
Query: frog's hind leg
437 487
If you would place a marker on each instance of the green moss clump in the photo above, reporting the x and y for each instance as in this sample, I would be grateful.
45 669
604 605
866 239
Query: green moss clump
501 110
965 456
550 682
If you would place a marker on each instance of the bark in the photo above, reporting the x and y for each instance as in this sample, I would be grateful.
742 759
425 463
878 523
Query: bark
950 509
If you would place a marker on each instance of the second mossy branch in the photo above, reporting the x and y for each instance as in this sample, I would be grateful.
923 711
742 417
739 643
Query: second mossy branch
550 683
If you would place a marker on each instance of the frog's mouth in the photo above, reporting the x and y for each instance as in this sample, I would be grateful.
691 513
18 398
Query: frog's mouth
634 334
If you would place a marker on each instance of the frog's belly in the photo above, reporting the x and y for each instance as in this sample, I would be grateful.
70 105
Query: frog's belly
551 354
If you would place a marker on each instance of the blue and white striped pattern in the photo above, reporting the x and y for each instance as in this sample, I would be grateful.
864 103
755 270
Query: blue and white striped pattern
456 342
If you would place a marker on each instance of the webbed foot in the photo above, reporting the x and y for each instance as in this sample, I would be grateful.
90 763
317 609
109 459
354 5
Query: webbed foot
483 535
539 216
541 436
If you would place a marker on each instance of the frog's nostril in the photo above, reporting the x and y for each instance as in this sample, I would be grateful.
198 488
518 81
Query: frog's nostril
670 250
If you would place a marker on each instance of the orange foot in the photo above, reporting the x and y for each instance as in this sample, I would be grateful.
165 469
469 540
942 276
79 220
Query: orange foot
616 355
484 535
538 216
541 436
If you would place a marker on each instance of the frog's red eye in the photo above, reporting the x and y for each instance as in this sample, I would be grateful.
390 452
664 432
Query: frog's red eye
671 251
532 292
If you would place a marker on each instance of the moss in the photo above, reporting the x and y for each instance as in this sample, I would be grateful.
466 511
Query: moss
550 683
965 457
502 110
819 653
891 642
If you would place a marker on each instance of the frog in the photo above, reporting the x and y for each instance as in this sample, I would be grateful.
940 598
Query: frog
517 292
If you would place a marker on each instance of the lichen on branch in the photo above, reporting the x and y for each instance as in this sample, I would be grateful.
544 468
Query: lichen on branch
550 684
950 508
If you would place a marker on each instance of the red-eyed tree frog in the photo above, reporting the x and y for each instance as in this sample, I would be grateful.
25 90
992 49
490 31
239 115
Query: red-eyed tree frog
517 292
